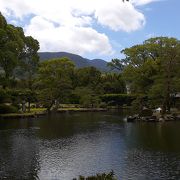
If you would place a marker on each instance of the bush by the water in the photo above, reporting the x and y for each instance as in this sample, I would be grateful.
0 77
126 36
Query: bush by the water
3 95
4 109
146 112
118 99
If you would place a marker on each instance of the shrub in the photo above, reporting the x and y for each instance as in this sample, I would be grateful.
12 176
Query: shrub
7 109
140 102
103 105
3 95
118 99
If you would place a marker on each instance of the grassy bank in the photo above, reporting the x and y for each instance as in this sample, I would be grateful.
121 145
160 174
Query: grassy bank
35 112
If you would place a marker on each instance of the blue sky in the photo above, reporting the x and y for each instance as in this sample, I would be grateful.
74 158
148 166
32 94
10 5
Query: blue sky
162 19
93 28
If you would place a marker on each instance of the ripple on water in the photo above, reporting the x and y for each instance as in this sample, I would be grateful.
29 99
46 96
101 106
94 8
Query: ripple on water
66 146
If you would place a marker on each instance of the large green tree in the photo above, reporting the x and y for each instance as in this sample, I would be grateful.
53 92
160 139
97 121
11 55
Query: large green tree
88 76
87 96
116 64
54 81
166 52
27 67
152 69
29 60
11 46
112 83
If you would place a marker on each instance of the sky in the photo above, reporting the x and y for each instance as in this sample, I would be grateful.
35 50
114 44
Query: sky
93 28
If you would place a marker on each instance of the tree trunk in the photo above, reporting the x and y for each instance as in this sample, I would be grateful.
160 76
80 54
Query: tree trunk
23 106
29 106
6 80
50 106
56 105
167 98
30 81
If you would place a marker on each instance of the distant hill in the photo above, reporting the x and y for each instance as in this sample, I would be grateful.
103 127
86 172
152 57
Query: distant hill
78 60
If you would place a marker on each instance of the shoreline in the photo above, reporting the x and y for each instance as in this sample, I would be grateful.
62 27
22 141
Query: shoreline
42 113
154 118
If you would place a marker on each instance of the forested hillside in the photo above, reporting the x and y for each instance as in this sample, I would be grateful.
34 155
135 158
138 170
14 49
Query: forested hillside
78 60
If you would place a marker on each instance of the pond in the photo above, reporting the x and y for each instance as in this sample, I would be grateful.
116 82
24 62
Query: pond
64 146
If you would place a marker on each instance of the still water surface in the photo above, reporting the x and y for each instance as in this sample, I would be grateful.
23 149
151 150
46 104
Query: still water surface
64 146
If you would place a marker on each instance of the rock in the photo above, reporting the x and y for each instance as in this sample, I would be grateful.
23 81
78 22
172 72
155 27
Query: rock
144 118
131 118
177 117
169 117
152 119
161 119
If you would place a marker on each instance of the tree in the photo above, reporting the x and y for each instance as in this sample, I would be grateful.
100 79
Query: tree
116 64
11 45
118 99
29 60
3 22
113 83
28 65
54 81
87 96
88 76
152 69
167 80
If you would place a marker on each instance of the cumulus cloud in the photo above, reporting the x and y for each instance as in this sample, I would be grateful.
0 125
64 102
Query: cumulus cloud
68 25
75 39
119 16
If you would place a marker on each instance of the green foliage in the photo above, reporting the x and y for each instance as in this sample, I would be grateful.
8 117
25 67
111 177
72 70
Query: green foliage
146 113
17 53
118 99
3 22
11 46
29 61
112 83
17 97
3 96
116 64
139 102
91 83
152 69
7 109
88 76
54 81
87 97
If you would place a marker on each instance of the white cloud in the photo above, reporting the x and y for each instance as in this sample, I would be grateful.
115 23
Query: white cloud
68 25
62 38
119 16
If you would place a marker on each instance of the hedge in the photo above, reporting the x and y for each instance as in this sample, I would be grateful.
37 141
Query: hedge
4 109
118 99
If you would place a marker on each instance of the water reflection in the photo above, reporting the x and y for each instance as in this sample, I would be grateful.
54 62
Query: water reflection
161 137
64 146
19 154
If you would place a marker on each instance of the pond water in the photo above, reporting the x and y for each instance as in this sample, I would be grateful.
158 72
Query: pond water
64 146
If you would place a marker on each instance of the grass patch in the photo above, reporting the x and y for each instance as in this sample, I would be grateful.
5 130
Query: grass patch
38 110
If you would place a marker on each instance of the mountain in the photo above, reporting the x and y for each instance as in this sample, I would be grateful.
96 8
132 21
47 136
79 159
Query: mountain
79 61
